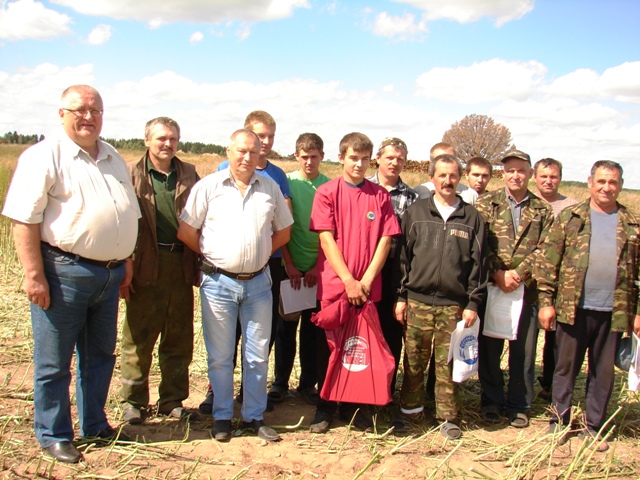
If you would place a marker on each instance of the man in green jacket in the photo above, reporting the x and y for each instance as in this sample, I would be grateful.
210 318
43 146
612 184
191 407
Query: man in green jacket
517 222
160 297
589 288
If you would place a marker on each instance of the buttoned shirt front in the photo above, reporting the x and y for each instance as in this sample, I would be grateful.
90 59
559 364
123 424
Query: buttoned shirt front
235 230
84 206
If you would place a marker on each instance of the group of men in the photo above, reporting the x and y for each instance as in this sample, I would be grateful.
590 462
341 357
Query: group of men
88 229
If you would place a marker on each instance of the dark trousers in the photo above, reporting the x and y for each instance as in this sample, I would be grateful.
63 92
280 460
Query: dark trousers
285 353
590 332
522 356
392 330
548 359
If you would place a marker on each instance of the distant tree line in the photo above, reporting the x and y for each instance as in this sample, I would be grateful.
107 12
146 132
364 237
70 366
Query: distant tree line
196 148
20 139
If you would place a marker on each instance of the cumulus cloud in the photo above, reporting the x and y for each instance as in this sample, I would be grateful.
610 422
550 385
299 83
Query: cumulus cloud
481 82
100 35
196 37
400 27
157 13
28 19
467 11
617 83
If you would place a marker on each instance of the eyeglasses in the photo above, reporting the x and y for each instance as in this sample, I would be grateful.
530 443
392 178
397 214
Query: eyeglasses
82 113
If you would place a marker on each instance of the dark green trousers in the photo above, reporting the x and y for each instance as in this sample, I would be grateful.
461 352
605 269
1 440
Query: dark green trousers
165 311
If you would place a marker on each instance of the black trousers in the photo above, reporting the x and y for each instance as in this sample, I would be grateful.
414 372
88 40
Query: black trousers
392 330
591 333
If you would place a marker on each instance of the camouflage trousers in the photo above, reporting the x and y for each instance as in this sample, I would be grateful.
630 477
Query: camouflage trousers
429 327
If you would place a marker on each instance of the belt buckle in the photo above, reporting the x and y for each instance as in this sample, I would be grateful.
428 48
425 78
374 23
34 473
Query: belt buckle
244 276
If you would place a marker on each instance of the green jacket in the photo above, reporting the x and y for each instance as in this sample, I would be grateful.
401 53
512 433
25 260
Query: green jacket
567 259
511 251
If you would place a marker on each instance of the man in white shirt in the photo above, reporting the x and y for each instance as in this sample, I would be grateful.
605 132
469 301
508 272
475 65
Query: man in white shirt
236 219
75 221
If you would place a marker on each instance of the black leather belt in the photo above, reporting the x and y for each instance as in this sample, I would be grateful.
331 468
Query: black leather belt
209 269
99 263
171 247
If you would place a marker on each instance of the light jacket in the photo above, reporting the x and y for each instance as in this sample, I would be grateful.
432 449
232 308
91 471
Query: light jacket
566 259
145 262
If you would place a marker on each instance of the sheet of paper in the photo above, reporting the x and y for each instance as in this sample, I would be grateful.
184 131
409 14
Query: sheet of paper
503 312
297 300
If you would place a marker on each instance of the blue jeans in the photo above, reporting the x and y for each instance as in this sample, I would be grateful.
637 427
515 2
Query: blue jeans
224 302
83 315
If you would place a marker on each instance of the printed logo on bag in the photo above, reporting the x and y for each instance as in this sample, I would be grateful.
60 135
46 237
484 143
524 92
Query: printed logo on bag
468 349
356 354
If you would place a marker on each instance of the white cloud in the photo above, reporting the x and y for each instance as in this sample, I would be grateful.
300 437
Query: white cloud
467 11
618 83
22 19
542 123
100 35
243 31
157 13
196 37
401 27
481 82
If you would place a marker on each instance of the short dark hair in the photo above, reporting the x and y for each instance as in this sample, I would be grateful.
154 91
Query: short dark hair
309 141
444 158
607 165
479 162
358 142
259 116
166 121
546 163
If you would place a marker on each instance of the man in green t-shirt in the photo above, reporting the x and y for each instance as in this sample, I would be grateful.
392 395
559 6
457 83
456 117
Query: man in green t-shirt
300 256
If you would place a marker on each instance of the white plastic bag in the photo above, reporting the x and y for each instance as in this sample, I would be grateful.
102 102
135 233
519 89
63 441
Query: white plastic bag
463 350
634 369
502 316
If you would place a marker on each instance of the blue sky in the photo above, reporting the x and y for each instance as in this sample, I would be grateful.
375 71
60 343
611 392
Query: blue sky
562 75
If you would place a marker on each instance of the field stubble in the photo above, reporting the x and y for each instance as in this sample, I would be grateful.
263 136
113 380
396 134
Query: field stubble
184 450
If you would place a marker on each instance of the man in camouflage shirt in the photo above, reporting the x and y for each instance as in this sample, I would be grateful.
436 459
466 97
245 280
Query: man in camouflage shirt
591 271
518 222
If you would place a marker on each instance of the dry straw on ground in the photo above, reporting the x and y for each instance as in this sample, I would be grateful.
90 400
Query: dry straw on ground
171 449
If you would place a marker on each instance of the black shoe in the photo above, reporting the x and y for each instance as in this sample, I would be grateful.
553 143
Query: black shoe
65 452
269 406
359 420
179 412
206 406
321 422
221 431
110 434
264 432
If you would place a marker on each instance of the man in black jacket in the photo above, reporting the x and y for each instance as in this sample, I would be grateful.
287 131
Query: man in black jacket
441 275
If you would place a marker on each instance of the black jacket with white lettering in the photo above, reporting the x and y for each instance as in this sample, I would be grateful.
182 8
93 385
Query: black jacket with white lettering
442 263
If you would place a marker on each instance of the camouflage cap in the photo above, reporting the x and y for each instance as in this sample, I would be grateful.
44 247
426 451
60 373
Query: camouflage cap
393 141
516 154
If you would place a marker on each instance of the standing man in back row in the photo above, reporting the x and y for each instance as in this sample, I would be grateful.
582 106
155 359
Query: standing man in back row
75 220
548 173
160 297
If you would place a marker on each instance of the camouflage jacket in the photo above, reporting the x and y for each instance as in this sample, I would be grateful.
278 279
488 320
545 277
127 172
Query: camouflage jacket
566 261
515 251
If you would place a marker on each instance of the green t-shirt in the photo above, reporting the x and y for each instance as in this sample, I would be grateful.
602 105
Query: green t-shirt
303 245
164 190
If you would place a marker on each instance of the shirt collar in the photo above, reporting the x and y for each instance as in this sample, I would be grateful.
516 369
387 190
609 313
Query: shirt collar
68 148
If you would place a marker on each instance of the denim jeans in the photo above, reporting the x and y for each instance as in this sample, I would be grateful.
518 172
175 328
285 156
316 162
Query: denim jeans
224 302
83 315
